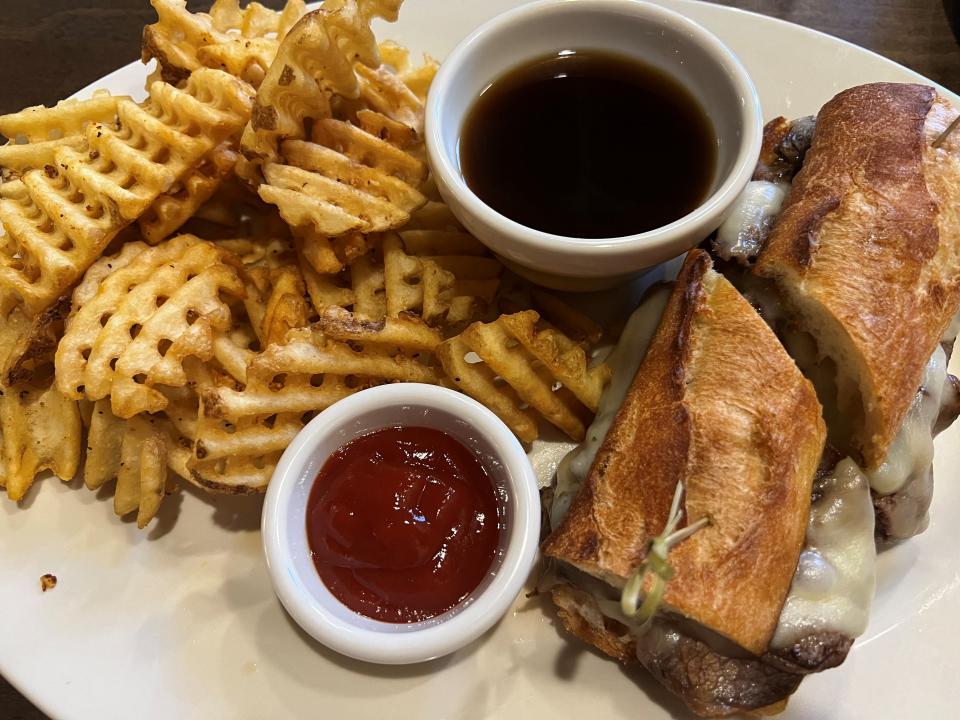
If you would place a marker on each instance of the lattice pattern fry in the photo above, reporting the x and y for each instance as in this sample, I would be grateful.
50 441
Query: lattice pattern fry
526 365
315 59
59 220
41 431
242 42
144 321
36 133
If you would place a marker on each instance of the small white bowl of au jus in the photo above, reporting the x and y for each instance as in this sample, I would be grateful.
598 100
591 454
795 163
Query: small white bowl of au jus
523 203
304 484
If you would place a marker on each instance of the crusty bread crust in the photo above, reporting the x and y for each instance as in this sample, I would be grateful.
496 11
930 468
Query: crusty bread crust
866 251
718 404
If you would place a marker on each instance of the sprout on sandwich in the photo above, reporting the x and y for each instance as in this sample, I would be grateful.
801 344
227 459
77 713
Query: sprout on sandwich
656 563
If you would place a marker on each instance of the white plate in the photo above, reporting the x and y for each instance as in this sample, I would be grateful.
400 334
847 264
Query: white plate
180 621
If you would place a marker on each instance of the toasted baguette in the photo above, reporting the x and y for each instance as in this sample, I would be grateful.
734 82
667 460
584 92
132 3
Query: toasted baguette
866 251
719 405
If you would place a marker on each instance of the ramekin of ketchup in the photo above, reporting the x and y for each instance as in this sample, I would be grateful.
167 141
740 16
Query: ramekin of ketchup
401 523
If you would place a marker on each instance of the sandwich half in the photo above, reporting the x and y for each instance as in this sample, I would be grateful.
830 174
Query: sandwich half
859 273
718 406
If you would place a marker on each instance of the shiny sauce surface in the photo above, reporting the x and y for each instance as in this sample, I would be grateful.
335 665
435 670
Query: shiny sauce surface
588 144
403 523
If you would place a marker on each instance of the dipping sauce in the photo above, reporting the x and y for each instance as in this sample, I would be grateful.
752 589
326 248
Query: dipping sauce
588 144
403 523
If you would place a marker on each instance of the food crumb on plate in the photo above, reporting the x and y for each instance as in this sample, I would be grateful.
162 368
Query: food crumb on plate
48 581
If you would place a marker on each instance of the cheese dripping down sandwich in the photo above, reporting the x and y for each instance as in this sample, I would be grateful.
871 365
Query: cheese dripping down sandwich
719 408
848 241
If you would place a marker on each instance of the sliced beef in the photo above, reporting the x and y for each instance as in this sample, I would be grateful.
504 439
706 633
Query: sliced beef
812 654
785 145
903 514
711 684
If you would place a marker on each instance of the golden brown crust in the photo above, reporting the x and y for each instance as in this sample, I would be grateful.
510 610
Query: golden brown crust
866 247
707 407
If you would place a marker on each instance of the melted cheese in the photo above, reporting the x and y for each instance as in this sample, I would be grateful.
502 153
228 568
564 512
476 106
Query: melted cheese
624 361
952 330
835 578
911 452
743 233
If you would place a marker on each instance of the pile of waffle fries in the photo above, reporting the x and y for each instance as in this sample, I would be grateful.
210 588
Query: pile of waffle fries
186 281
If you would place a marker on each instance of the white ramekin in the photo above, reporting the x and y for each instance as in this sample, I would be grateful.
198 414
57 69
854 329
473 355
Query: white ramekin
647 32
291 567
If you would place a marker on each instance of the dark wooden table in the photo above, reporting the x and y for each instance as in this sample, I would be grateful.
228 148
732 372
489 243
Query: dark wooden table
49 49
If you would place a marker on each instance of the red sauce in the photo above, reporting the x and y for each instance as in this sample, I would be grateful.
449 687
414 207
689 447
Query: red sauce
403 523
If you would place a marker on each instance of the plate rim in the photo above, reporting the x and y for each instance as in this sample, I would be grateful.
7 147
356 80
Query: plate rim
136 67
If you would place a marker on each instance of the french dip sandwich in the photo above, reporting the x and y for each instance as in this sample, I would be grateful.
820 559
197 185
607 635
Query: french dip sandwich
771 416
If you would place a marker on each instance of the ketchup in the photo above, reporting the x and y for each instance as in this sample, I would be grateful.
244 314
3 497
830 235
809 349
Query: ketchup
403 523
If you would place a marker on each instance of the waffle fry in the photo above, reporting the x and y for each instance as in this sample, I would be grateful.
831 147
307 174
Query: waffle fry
416 77
368 164
516 295
181 328
348 180
406 333
242 42
286 307
379 125
327 290
317 252
294 393
481 383
244 426
247 59
18 158
444 276
359 288
144 321
134 452
563 357
245 460
306 351
533 359
234 350
142 477
384 91
174 39
16 332
60 219
315 59
255 20
370 150
104 439
37 133
33 350
172 209
330 208
41 431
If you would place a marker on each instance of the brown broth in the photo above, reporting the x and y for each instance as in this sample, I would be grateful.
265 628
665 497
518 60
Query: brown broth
588 144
